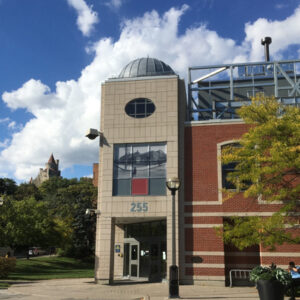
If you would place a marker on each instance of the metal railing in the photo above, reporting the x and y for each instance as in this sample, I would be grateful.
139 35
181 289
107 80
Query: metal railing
238 274
216 91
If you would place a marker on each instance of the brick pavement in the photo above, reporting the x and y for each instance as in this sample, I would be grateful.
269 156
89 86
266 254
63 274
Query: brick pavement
86 289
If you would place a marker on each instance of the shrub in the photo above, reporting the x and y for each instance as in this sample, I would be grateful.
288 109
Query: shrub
271 273
6 265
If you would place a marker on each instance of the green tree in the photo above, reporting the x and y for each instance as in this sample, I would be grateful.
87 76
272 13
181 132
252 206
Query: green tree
25 190
67 200
7 186
26 223
268 168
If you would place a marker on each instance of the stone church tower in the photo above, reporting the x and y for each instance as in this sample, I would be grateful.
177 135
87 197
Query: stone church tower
51 170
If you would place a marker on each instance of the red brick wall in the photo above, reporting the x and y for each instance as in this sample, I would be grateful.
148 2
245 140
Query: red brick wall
201 180
202 239
201 184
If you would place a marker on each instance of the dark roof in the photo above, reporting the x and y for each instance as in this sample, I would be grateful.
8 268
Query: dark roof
51 159
146 67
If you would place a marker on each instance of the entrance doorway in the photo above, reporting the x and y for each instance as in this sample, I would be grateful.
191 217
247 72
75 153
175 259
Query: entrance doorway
145 251
131 258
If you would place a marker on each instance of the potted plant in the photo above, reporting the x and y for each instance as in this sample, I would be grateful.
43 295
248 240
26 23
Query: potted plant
271 282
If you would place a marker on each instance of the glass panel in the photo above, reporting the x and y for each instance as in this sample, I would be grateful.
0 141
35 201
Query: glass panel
150 108
140 152
140 170
157 186
140 108
130 109
158 152
134 270
139 186
122 153
225 183
144 259
122 171
134 252
126 260
157 170
140 100
122 187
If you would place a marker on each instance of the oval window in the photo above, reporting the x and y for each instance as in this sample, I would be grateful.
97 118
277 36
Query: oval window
140 108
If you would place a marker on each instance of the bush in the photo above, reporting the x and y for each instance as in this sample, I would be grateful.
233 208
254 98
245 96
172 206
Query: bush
271 273
7 265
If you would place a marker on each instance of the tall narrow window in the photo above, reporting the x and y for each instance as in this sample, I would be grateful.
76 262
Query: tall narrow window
227 169
231 168
139 169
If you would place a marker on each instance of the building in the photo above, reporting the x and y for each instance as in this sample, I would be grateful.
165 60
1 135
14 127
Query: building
152 132
95 174
51 170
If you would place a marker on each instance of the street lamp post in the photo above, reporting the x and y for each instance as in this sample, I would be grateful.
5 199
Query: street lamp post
173 184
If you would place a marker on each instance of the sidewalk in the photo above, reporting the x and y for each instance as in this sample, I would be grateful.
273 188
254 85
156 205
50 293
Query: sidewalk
86 289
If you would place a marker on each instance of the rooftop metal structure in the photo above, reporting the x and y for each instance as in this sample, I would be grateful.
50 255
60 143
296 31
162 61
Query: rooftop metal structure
216 91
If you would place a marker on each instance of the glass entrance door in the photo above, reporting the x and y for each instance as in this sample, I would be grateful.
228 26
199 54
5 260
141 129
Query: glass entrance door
131 258
134 259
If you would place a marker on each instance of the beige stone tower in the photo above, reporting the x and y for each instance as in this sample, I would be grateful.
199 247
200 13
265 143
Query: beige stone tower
143 133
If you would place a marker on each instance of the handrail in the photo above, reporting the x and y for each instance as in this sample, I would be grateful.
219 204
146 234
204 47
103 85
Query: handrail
239 273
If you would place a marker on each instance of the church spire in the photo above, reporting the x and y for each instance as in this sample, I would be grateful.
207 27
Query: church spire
51 159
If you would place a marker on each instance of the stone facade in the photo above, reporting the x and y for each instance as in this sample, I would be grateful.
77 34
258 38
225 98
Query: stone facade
193 152
51 170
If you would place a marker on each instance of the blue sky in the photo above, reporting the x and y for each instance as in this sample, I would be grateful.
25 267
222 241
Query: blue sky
54 55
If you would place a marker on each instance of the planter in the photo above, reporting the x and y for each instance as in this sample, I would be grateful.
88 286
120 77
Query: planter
270 290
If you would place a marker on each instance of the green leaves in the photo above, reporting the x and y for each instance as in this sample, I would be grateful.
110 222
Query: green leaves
268 168
52 215
270 273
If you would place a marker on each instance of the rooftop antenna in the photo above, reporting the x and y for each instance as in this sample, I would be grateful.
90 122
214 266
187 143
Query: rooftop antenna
266 42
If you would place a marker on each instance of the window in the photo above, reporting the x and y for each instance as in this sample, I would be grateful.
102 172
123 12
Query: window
230 168
139 169
140 108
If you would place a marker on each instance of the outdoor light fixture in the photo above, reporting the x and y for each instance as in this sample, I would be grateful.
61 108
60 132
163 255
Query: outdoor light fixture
93 133
90 211
173 184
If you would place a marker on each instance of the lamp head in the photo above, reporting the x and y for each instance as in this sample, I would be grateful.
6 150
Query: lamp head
92 133
173 184
91 211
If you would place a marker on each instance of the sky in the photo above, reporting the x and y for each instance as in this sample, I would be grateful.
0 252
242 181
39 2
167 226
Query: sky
54 55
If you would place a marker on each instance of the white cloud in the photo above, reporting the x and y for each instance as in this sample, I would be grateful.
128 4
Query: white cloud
281 5
87 18
115 4
4 120
12 124
62 116
284 33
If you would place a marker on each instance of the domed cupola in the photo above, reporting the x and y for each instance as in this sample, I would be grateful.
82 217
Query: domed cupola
146 66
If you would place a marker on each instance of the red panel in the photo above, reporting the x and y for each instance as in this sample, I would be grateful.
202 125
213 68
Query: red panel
139 186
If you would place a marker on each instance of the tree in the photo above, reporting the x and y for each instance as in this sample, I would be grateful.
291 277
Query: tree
67 200
25 190
26 223
51 215
268 168
7 186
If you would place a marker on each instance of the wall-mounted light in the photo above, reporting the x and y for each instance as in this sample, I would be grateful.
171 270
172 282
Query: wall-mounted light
91 211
